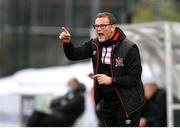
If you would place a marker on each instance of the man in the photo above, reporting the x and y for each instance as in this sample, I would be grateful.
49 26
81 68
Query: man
65 109
117 71
154 110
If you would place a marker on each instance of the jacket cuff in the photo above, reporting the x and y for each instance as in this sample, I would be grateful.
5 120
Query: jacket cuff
67 44
113 80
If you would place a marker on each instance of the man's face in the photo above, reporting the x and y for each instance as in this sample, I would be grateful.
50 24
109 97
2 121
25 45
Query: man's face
149 91
104 29
72 84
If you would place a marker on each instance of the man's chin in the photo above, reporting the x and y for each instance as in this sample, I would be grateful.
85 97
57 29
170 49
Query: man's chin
101 40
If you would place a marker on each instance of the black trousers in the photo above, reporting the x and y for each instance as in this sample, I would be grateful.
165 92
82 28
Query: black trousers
39 119
117 120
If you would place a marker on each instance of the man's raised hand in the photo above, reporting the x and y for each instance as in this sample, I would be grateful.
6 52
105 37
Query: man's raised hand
65 36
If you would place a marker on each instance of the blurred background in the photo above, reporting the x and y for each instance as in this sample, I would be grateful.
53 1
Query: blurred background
29 40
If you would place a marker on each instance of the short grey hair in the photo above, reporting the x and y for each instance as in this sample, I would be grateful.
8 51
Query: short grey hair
110 16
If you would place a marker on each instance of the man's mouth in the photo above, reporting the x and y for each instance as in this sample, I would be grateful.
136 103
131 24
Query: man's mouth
100 34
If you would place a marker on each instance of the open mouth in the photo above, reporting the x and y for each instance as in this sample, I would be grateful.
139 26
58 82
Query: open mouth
100 34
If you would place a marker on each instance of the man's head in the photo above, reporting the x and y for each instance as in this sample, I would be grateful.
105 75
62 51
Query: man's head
150 89
73 83
105 26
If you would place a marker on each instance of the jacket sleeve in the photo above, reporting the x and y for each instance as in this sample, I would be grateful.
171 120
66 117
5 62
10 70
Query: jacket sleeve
133 69
72 105
77 53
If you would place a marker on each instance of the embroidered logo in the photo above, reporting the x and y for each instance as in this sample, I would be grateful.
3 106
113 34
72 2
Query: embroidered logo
119 62
94 52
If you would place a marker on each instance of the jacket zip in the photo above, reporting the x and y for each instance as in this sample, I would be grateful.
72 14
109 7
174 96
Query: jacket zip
97 58
119 96
97 65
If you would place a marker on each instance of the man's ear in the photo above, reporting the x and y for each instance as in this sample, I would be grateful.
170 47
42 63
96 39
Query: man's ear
113 27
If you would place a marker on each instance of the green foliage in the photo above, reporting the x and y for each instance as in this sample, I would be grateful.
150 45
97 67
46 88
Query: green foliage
143 15
150 10
170 12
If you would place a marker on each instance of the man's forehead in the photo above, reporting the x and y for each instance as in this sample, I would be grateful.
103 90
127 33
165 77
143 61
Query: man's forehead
102 19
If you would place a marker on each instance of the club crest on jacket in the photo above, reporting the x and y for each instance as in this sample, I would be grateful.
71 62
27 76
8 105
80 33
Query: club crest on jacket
119 62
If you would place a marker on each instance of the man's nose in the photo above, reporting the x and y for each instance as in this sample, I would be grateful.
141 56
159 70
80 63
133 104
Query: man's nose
98 28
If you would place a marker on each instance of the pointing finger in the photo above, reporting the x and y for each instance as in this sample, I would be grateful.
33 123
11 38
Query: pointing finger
97 75
65 30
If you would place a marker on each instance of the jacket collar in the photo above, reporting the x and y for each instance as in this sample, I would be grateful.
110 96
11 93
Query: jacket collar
117 37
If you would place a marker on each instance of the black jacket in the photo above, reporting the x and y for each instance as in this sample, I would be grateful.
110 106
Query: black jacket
70 106
154 110
125 69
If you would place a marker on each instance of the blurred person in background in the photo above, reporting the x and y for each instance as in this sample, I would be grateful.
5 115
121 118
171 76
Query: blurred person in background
154 110
65 109
117 71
